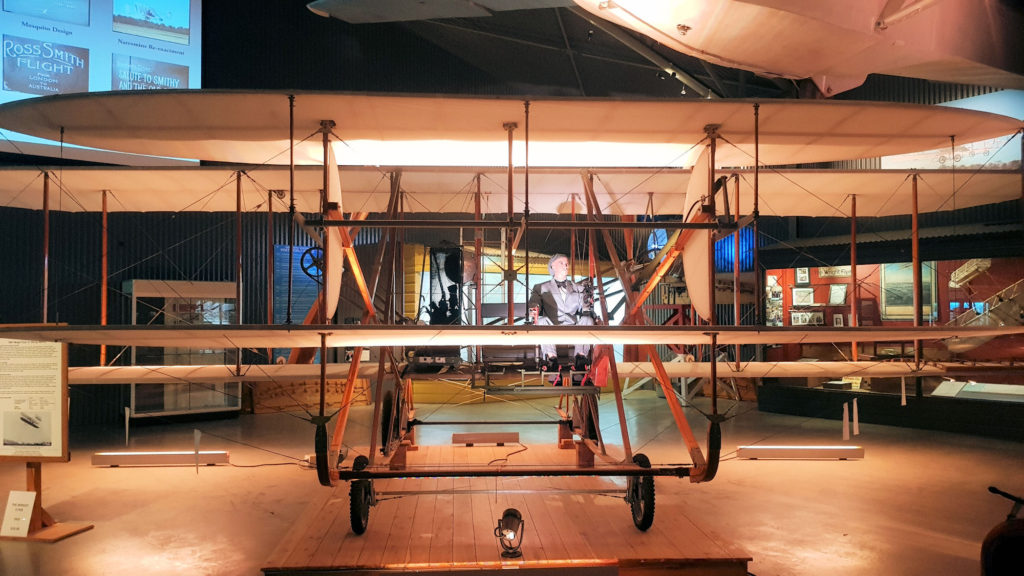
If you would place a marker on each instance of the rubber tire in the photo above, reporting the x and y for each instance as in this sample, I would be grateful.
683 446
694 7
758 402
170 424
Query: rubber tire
323 472
387 427
642 504
359 504
359 492
591 420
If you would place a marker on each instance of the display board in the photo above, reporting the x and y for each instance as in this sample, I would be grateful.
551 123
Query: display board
33 401
65 46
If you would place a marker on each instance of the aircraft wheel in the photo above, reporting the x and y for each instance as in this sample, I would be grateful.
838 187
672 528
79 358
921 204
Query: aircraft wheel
391 413
312 263
640 495
359 504
320 442
386 425
360 496
591 417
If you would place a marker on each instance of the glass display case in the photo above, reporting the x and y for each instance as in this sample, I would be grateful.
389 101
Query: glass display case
182 303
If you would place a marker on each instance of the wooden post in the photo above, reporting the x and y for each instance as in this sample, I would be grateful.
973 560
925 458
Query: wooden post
854 305
478 246
103 275
758 292
238 263
712 133
270 265
915 244
34 483
46 242
510 270
736 270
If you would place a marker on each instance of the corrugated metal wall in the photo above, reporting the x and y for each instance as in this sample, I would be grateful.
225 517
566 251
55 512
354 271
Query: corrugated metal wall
880 88
170 246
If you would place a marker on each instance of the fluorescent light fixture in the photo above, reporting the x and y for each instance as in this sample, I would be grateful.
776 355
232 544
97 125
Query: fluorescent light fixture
172 458
800 452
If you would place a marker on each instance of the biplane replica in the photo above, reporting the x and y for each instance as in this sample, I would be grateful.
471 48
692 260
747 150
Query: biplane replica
596 161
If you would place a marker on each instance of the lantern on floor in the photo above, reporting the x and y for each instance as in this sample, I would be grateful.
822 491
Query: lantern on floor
510 533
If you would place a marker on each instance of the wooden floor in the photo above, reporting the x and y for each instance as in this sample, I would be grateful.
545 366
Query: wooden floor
446 525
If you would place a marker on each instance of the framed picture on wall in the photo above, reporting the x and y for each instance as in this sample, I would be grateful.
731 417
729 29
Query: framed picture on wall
803 296
834 271
773 289
837 320
836 294
797 318
803 276
897 291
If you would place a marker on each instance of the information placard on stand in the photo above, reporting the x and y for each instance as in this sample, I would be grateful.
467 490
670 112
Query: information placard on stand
34 429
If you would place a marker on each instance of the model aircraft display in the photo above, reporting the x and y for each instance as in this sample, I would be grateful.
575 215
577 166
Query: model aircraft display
833 42
247 127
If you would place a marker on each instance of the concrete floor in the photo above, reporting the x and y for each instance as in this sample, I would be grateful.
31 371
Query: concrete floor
917 503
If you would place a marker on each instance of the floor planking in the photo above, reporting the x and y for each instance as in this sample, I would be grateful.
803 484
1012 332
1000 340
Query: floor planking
447 524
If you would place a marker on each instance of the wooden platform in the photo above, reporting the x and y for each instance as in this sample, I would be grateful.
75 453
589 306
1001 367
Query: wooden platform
446 525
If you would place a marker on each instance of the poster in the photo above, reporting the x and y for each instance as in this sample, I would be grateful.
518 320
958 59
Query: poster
137 73
898 291
67 11
835 271
166 20
33 401
43 67
803 276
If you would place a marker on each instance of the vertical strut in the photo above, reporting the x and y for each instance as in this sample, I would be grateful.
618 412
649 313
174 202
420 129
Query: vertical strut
103 276
854 306
915 245
510 270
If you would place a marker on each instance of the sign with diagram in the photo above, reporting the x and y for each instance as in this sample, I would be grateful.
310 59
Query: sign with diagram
33 401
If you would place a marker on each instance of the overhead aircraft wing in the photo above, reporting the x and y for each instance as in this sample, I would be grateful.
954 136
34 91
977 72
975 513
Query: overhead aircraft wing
264 336
401 130
308 372
789 192
816 369
836 43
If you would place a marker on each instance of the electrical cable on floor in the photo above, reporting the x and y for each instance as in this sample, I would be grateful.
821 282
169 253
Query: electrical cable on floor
299 463
522 448
246 444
